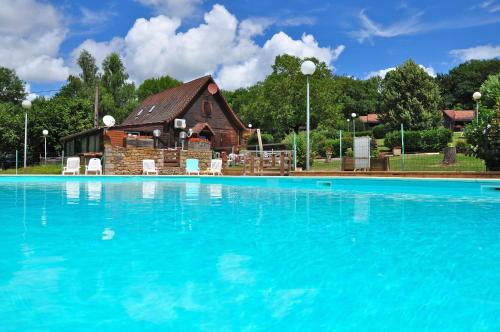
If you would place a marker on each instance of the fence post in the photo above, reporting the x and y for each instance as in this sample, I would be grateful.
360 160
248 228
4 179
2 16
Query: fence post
294 151
340 152
16 160
402 148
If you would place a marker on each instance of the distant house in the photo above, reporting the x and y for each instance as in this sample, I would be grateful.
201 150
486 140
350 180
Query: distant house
370 120
199 103
457 119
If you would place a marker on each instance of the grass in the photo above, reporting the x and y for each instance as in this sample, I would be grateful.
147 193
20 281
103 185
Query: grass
421 162
418 162
39 169
321 165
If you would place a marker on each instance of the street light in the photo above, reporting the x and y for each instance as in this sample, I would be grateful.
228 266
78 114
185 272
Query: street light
477 97
353 115
45 132
250 125
348 124
307 68
26 104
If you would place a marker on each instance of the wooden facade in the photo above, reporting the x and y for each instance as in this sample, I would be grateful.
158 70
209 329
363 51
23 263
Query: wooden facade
200 103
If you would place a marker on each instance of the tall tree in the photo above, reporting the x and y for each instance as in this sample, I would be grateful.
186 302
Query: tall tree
11 86
490 91
89 68
114 75
462 81
156 84
358 96
411 97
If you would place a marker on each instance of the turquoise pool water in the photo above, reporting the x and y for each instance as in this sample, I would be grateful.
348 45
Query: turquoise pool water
248 254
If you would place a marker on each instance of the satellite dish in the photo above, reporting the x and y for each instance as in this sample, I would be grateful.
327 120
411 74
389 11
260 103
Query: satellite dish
109 121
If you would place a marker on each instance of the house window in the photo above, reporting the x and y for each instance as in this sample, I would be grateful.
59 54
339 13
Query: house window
207 109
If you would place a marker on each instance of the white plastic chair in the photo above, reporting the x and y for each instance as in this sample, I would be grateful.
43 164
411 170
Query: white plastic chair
72 166
215 167
148 167
94 166
192 166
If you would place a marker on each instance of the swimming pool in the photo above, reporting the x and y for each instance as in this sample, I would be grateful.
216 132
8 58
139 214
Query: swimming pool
248 254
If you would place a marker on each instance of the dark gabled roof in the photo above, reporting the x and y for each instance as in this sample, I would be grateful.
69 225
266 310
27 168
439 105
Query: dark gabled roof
169 104
460 115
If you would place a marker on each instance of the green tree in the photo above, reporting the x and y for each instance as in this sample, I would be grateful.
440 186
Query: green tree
484 137
89 68
358 96
156 84
11 86
411 97
490 91
462 81
118 97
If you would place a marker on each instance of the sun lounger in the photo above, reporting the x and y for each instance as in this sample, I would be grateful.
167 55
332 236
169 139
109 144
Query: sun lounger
72 166
148 167
94 166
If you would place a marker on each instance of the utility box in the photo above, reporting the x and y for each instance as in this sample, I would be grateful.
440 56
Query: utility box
362 153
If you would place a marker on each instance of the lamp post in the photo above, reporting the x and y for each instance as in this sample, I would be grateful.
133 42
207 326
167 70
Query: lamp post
477 97
156 134
45 132
348 125
353 115
26 104
307 68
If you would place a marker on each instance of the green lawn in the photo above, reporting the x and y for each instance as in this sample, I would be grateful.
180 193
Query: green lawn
40 169
320 165
416 162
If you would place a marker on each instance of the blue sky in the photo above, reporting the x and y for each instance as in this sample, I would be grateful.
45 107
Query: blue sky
237 40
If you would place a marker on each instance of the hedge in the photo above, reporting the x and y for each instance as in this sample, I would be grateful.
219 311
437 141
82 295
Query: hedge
432 140
380 130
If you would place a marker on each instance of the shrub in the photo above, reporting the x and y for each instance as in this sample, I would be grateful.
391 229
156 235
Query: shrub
364 133
462 147
266 139
431 140
484 138
379 131
301 147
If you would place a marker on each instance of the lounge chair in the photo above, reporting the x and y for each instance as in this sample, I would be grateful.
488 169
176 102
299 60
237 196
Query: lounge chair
72 166
215 167
148 167
192 166
94 166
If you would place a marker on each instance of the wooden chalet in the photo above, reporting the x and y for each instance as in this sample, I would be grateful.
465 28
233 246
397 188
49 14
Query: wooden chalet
369 120
200 103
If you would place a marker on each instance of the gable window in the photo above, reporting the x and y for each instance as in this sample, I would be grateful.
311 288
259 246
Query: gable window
206 109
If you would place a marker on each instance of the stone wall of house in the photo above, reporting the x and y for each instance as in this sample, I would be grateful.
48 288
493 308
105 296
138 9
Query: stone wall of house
128 160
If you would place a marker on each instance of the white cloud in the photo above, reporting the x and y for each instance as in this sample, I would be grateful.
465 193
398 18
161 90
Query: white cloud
221 46
382 72
370 28
31 45
172 8
482 52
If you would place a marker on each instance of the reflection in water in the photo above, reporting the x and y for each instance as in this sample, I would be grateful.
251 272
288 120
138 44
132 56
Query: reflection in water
215 190
108 234
73 191
192 191
94 190
148 189
361 208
